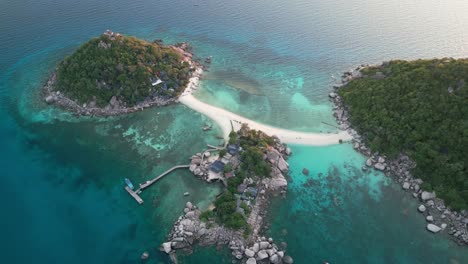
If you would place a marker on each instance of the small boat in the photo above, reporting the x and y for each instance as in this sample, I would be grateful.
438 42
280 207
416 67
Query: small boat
207 127
129 183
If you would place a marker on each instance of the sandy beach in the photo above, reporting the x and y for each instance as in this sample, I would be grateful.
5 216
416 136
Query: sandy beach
223 118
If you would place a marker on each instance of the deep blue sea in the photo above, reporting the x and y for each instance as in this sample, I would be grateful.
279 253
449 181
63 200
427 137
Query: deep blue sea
273 61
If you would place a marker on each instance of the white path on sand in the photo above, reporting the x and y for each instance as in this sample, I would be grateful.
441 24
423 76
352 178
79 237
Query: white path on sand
224 118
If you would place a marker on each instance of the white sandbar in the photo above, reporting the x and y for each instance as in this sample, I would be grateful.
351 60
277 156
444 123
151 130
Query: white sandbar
223 118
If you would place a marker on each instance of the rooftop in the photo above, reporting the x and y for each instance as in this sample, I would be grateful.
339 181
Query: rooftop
217 166
233 149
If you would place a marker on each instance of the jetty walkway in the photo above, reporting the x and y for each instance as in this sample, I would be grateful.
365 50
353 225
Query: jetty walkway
135 194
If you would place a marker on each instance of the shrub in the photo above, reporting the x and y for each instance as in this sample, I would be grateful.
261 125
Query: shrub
222 153
206 215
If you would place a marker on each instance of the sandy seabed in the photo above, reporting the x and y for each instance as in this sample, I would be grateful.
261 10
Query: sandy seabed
226 120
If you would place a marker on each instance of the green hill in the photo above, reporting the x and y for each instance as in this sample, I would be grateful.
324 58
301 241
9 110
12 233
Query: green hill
116 65
421 108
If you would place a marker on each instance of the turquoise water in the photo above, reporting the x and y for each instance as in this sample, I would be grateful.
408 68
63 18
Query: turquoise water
340 214
273 61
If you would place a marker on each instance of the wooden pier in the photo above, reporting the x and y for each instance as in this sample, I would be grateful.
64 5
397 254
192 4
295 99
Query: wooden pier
135 194
214 148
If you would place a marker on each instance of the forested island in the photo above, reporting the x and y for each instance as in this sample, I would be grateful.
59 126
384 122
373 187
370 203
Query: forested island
252 168
420 108
114 74
411 119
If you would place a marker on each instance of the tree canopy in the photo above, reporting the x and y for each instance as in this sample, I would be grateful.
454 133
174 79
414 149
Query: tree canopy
123 67
253 165
420 108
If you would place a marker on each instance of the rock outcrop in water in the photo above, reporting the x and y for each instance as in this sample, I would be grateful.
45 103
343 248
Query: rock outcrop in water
189 230
251 199
115 74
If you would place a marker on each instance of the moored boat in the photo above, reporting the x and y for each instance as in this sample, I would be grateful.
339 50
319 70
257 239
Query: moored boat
129 183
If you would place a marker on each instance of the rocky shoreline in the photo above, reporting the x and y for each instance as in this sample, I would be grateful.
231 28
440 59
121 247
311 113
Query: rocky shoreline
253 248
439 217
115 106
189 230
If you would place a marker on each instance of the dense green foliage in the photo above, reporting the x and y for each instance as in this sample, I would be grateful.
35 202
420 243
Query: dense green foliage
121 66
207 215
232 137
254 144
246 208
222 153
226 212
420 108
253 165
226 205
255 138
233 182
227 168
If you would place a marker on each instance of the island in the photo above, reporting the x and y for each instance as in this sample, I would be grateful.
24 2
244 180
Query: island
252 168
115 74
410 119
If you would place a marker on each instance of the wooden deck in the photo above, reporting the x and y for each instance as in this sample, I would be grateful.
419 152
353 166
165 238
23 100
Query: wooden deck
149 183
214 148
135 194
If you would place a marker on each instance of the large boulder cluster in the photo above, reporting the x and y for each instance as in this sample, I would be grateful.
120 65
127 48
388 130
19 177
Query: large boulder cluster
277 181
277 160
186 229
189 229
264 250
199 164
438 216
